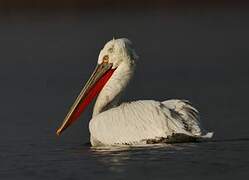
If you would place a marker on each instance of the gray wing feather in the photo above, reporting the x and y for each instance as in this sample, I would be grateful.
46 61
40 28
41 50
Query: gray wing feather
183 111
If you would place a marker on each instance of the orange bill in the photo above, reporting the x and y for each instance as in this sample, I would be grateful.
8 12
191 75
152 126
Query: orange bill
94 85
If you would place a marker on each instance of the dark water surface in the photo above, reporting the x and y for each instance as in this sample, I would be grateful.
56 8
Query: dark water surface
212 160
200 55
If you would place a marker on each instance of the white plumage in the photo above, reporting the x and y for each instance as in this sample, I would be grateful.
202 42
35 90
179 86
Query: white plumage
146 121
138 122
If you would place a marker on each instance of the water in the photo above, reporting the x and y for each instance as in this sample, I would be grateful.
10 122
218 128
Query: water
197 55
211 160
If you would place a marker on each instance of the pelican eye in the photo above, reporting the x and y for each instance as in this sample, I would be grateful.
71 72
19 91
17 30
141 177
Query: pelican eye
110 50
106 59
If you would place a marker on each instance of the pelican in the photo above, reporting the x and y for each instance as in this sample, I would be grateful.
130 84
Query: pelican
130 123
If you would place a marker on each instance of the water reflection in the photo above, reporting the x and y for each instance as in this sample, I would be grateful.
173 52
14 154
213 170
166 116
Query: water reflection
118 158
137 148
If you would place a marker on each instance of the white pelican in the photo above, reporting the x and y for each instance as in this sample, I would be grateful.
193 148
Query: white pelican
132 123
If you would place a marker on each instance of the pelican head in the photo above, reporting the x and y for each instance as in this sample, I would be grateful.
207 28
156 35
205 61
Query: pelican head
114 68
117 51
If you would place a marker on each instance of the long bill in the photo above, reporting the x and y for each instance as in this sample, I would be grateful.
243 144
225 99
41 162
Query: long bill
94 85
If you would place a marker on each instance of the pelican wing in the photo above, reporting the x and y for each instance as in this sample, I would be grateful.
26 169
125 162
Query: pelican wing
144 122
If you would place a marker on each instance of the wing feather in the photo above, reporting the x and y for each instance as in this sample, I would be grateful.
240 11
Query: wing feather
142 121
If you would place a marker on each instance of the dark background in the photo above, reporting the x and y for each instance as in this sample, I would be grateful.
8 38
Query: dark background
195 51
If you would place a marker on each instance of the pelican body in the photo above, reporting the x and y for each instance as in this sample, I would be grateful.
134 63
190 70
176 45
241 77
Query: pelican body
132 123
